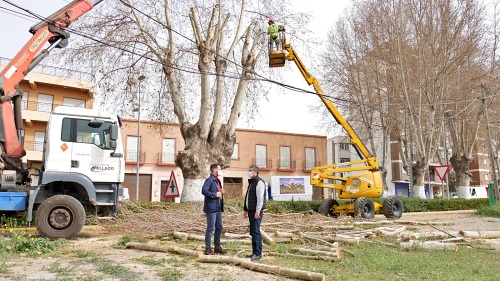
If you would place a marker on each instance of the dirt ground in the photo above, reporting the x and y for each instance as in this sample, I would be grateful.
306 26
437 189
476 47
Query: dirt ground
93 255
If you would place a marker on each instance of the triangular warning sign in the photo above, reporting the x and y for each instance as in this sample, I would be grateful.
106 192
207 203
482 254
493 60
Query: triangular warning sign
441 171
171 191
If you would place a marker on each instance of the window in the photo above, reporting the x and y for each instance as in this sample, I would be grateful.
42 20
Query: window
24 101
310 158
131 153
21 136
344 160
486 177
73 102
80 130
484 161
39 138
45 102
261 156
236 152
344 146
168 151
285 157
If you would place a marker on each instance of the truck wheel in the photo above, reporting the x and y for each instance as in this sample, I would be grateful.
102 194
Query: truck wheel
393 207
60 216
326 207
364 208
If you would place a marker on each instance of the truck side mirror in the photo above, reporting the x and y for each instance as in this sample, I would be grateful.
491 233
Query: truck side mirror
113 136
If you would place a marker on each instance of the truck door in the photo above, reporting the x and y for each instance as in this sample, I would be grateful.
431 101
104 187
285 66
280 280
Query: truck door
91 152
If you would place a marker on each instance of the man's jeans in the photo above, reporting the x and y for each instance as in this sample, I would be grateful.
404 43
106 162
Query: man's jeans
214 221
255 232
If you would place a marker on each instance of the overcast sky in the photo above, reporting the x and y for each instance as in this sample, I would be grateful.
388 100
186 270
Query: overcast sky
288 112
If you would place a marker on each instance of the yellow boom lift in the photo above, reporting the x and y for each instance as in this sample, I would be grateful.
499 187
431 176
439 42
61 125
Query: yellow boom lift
358 189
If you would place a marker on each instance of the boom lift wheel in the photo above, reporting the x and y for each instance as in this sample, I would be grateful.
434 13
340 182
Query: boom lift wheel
60 216
364 207
327 207
393 207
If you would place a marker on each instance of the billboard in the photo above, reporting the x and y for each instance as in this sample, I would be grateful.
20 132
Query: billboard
291 188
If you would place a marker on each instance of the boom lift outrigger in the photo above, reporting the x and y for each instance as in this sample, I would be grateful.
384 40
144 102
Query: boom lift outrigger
360 187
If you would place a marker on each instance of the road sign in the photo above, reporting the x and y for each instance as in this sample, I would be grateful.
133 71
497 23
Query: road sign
171 191
441 171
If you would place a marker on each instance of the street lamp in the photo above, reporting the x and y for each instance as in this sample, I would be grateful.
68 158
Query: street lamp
138 110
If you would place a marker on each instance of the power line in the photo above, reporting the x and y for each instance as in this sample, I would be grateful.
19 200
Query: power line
196 71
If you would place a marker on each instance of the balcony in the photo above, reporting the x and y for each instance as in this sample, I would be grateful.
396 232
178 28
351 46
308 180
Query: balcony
131 157
263 163
34 150
309 165
166 159
286 165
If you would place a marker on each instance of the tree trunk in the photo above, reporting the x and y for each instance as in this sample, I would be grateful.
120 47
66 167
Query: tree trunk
418 190
462 174
198 155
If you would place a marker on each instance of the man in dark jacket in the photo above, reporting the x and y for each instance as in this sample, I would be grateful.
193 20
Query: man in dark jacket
255 203
213 208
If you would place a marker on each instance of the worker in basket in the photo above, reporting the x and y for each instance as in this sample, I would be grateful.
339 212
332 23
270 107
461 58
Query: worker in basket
273 30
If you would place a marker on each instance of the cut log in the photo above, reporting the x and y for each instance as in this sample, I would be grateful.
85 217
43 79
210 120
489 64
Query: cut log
316 239
480 234
387 231
337 227
277 270
373 222
317 253
334 259
266 238
236 236
431 245
162 248
352 240
191 236
281 234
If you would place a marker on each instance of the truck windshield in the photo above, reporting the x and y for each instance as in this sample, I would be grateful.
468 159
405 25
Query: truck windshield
79 130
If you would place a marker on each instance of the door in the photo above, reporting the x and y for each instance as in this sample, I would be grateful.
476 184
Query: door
90 150
145 186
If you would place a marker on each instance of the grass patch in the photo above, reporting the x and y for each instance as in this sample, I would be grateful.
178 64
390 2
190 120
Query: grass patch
489 211
26 243
55 267
124 240
115 270
81 254
4 268
379 262
151 261
170 274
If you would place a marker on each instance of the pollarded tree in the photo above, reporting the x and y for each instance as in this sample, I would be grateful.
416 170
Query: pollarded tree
200 61
410 52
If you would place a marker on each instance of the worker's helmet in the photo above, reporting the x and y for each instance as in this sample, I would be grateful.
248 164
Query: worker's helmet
270 21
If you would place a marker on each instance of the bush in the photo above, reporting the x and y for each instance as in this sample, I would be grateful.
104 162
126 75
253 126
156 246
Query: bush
429 205
26 243
489 211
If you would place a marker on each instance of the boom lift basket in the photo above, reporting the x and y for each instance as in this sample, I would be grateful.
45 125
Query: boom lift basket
277 58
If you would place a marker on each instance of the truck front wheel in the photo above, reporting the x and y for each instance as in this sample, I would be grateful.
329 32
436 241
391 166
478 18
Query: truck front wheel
60 216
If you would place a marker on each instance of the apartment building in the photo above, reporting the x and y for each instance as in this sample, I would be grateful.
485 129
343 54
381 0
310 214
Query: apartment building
285 159
278 155
45 88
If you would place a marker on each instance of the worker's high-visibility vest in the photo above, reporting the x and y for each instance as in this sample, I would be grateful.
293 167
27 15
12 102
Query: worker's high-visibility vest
274 28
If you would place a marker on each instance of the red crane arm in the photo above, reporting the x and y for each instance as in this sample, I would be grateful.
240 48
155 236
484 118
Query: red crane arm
51 31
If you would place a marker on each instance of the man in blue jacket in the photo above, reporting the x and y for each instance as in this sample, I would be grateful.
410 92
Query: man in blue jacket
213 207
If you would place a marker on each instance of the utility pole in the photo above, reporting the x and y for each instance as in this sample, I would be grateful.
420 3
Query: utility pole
492 153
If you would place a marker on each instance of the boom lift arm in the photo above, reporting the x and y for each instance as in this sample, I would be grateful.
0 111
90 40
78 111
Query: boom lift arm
324 172
358 188
52 31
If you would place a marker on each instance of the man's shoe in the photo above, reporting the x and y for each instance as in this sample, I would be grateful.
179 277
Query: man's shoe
255 257
219 250
249 256
209 252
